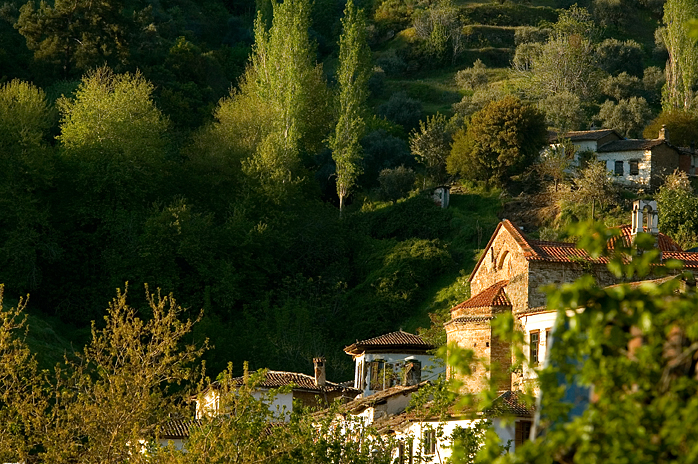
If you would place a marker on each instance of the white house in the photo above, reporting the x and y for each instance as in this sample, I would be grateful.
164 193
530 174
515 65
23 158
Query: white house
392 359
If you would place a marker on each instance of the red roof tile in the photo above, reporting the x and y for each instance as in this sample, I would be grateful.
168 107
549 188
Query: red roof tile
491 296
394 340
664 242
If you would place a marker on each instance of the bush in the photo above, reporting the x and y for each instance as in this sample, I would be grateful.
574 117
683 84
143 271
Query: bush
382 151
622 86
402 110
395 183
616 57
528 34
472 78
391 63
628 117
681 127
563 111
508 14
478 36
471 104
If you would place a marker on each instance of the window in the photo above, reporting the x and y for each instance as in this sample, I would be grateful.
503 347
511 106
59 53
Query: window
535 340
619 168
522 433
430 441
634 168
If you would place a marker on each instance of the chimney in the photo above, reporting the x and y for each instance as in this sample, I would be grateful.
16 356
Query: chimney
663 134
319 371
412 373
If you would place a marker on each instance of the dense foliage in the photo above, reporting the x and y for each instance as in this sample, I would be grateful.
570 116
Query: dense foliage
185 144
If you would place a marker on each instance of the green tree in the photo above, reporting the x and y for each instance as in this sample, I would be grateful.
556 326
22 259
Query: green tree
563 111
594 183
431 145
681 68
118 390
352 76
681 127
501 141
628 116
114 136
75 34
555 162
22 402
283 74
678 205
26 175
566 62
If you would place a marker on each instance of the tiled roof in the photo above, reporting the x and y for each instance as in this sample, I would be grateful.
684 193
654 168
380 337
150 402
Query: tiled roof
491 296
579 136
630 145
178 428
510 403
276 379
690 260
394 340
563 252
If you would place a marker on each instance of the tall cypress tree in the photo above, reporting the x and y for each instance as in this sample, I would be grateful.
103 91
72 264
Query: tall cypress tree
352 75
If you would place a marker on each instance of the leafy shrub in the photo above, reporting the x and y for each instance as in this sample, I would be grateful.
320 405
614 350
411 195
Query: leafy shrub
528 34
616 57
415 217
508 14
478 36
628 117
472 78
395 183
621 86
382 151
391 63
526 54
402 110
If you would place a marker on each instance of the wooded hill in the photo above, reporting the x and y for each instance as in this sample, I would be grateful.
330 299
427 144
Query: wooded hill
192 196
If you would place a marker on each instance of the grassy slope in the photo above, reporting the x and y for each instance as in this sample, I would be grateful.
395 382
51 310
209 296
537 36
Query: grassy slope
475 218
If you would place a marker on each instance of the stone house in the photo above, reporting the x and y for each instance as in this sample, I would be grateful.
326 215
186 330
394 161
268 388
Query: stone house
508 278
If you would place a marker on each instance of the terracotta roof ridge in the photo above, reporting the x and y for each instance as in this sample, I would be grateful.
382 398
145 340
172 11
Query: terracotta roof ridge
494 295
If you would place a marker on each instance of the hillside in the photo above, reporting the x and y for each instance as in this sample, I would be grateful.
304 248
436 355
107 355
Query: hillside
177 202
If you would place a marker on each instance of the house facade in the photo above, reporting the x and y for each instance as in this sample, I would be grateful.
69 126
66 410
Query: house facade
396 358
642 162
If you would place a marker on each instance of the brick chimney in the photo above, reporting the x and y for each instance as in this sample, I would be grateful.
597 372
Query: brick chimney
663 134
320 376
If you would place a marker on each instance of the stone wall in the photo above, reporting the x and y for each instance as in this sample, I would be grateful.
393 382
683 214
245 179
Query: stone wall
543 273
475 333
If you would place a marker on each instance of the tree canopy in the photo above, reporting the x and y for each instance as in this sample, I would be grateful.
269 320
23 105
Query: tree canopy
502 140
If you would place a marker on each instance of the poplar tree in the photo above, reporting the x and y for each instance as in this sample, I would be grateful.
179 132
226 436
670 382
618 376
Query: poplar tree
682 65
284 75
352 75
